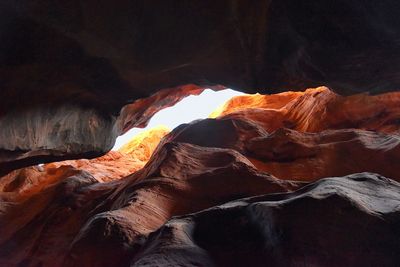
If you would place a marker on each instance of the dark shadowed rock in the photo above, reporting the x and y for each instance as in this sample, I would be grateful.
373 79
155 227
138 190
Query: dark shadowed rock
346 221
85 62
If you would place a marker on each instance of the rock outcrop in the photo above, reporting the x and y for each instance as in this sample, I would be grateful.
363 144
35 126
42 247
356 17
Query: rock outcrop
71 71
315 110
234 190
296 179
346 221
58 133
295 155
23 183
118 164
98 224
142 145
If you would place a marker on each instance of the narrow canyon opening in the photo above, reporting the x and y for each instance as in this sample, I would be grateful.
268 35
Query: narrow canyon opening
266 153
114 150
187 110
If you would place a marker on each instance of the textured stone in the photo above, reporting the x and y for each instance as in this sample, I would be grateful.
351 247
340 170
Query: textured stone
100 224
346 221
23 183
49 134
316 110
92 61
295 155
142 145
220 192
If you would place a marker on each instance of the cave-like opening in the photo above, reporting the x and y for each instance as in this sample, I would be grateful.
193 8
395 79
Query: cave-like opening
188 109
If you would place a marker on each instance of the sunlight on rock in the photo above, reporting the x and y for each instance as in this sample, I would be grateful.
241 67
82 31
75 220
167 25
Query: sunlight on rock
189 109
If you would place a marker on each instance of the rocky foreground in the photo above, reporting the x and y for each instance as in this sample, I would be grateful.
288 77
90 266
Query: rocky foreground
294 179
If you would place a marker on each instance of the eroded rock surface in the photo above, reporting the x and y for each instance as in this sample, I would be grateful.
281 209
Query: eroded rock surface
235 190
346 221
118 164
294 155
48 134
107 222
315 110
250 188
90 64
23 183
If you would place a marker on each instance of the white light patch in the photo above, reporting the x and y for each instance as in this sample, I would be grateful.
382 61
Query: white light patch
188 109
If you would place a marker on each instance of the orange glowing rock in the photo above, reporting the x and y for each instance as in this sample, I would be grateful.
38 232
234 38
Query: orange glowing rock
316 110
179 179
142 145
111 166
216 188
117 164
238 103
23 183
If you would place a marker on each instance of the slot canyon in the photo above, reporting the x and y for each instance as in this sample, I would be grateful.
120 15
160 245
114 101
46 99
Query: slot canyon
303 169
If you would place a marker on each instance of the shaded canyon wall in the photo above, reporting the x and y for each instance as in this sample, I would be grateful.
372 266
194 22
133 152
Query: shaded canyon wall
317 185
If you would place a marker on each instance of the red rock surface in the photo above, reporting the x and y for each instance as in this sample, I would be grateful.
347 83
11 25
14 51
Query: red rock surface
346 221
23 183
221 192
315 110
293 155
101 224
72 133
118 164
74 74
142 145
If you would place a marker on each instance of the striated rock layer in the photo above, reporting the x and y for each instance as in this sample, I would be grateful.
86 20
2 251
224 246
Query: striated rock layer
346 221
312 111
315 110
98 224
76 74
117 164
294 155
23 183
315 187
69 132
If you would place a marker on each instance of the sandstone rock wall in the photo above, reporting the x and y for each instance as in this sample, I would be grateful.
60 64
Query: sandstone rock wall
234 190
89 64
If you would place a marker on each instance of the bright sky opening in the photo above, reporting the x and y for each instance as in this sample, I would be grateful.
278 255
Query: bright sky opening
188 109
